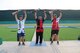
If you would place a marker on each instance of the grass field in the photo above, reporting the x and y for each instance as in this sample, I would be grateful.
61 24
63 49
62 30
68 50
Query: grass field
9 34
64 34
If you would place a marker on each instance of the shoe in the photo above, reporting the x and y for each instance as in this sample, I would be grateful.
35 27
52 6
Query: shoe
58 42
36 43
51 43
40 44
23 43
19 44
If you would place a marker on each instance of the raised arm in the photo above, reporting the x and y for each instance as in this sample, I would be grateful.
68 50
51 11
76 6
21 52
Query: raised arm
25 15
45 16
15 14
51 14
35 14
60 14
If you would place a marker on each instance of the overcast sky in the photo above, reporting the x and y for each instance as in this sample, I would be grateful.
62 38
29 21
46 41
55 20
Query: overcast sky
42 4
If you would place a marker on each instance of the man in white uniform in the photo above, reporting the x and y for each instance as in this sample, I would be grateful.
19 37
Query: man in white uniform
20 23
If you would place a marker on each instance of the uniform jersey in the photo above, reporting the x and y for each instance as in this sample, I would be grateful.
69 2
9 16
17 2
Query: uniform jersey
20 26
55 23
39 25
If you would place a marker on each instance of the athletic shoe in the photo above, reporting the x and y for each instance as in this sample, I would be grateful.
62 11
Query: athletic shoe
19 44
51 43
58 42
23 43
40 44
36 44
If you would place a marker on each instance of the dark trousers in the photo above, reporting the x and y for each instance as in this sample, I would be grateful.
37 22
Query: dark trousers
39 37
17 37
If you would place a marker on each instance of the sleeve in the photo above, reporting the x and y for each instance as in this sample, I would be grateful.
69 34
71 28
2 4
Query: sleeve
51 20
23 20
58 19
17 20
36 19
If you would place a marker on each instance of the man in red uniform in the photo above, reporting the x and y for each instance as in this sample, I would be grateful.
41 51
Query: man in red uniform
39 27
55 26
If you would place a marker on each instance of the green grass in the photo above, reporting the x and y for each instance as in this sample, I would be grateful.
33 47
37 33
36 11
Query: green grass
69 33
9 34
64 33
